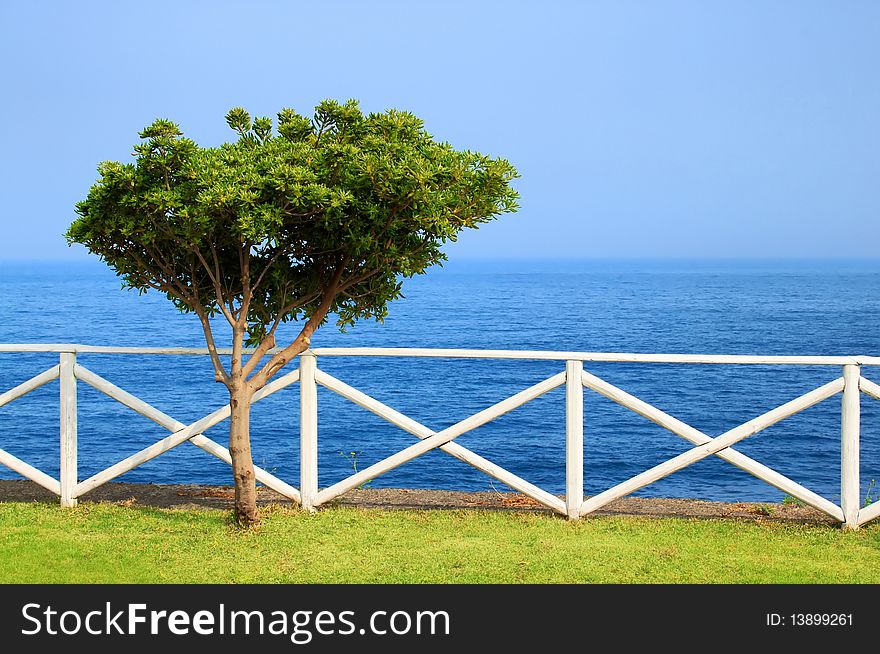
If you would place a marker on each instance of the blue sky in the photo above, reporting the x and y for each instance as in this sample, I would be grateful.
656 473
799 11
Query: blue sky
641 129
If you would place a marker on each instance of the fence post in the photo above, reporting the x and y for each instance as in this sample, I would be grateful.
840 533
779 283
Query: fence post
308 430
574 439
68 476
850 492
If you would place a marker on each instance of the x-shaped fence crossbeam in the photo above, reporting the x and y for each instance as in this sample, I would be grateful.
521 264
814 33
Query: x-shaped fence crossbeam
13 462
430 439
180 433
872 511
707 446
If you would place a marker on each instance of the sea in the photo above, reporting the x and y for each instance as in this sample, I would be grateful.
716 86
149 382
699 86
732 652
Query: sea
791 307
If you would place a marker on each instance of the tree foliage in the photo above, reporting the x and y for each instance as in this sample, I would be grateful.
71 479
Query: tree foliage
265 228
290 222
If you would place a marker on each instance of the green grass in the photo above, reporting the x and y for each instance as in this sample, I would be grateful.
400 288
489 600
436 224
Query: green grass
117 544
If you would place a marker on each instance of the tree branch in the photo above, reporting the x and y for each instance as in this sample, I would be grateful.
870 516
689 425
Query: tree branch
266 269
244 261
216 283
302 341
357 280
223 296
172 283
220 373
269 341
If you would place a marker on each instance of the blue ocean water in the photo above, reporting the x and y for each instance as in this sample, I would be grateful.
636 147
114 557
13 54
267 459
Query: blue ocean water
733 307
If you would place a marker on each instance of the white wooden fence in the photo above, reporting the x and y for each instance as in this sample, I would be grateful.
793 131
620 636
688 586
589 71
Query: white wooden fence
850 512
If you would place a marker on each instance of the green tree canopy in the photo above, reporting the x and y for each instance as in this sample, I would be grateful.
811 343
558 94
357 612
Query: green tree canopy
293 221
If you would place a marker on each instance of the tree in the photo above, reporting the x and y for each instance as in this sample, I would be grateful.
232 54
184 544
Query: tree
324 217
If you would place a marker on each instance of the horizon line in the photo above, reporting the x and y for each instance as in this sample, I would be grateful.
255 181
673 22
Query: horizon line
552 259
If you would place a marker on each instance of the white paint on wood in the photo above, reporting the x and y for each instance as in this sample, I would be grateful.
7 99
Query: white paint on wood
151 452
37 347
109 349
584 356
628 357
724 441
574 438
263 476
67 403
308 431
869 388
181 433
849 449
179 436
850 494
697 437
421 431
32 473
441 438
27 386
127 399
148 411
868 513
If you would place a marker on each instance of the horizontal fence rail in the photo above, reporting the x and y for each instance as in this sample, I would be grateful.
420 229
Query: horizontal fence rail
850 385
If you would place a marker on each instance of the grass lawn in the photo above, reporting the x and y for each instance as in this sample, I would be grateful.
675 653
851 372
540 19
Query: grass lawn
117 544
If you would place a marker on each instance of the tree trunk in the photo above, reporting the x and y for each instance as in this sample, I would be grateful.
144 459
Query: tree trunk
246 513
